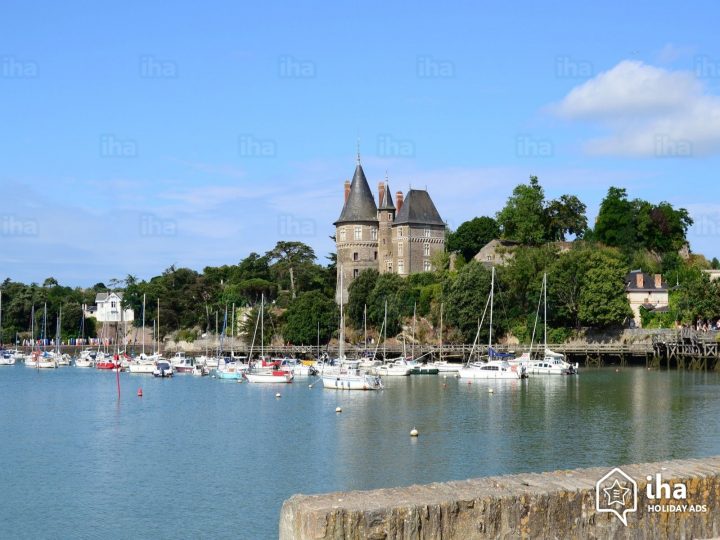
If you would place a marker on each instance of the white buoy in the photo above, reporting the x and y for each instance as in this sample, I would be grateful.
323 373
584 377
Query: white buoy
338 409
414 432
309 385
277 395
491 391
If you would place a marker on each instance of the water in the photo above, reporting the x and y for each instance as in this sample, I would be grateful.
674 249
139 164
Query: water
208 458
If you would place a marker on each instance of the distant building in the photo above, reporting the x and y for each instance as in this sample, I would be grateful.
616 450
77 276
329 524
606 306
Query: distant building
107 308
714 274
648 291
391 237
496 252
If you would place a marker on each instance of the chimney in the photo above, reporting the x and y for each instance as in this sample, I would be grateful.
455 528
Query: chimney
658 281
398 201
381 192
347 189
640 280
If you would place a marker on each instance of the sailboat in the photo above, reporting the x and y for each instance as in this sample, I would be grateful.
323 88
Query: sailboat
143 364
491 368
227 368
551 363
444 366
348 376
7 358
62 359
46 360
265 373
418 367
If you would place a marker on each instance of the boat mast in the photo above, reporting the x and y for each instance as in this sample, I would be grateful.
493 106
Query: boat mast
492 301
385 335
341 345
232 333
545 314
143 333
413 343
441 330
262 327
1 332
158 328
364 323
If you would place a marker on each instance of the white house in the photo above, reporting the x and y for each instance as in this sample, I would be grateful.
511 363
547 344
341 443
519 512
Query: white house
644 290
107 308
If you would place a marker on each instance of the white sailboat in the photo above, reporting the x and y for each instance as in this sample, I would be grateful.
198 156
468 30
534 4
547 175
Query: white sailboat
490 369
7 358
443 366
261 374
551 363
143 364
348 376
46 360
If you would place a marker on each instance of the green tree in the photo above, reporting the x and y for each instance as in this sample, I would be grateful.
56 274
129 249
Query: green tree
566 215
358 295
290 258
303 316
603 301
465 294
616 223
387 287
523 219
471 236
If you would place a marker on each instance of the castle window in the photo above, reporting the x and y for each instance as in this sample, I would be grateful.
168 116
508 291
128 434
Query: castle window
356 273
343 235
355 256
358 232
427 232
383 241
373 234
401 267
400 249
426 266
389 266
426 250
375 255
389 217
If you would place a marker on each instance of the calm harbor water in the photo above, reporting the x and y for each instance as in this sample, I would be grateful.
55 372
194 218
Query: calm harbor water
208 458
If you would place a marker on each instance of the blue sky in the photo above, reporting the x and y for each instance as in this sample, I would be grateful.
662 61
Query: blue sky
136 135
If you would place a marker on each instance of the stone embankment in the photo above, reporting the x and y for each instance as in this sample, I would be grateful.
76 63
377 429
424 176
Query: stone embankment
558 504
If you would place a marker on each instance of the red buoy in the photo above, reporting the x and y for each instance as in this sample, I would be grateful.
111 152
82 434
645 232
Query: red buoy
139 392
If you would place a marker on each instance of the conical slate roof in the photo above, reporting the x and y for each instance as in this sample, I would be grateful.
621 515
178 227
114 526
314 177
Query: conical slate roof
418 209
360 205
387 202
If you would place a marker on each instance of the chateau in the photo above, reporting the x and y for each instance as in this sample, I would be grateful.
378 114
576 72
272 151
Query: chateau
400 236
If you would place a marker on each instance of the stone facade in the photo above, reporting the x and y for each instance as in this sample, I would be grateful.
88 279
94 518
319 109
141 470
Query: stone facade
400 236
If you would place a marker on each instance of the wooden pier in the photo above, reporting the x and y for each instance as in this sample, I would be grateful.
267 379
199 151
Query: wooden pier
683 349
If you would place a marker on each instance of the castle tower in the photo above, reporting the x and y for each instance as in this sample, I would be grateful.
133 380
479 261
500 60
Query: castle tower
386 217
356 233
418 233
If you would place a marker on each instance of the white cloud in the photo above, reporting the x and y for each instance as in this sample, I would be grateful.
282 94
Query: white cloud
648 112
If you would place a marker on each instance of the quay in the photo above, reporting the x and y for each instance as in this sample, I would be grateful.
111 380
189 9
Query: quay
557 504
681 349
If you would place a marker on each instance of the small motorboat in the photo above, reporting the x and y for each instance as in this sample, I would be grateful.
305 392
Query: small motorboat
163 369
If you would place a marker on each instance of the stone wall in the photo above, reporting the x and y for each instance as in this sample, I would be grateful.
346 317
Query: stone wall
549 505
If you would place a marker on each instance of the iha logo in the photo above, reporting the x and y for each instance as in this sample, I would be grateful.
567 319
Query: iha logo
664 491
616 493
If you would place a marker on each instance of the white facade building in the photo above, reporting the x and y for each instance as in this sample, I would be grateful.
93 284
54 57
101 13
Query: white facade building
107 308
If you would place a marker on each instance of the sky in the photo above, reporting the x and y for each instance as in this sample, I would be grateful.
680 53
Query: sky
139 135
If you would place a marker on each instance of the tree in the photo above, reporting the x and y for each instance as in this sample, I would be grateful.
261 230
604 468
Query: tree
615 225
566 277
566 215
523 219
465 294
358 294
303 316
288 258
603 301
387 288
471 236
715 264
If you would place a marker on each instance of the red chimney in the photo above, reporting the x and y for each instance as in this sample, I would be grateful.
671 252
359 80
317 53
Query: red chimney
640 280
658 281
398 201
381 192
347 189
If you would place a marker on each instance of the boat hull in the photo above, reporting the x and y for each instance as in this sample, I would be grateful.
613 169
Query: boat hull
274 377
351 382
